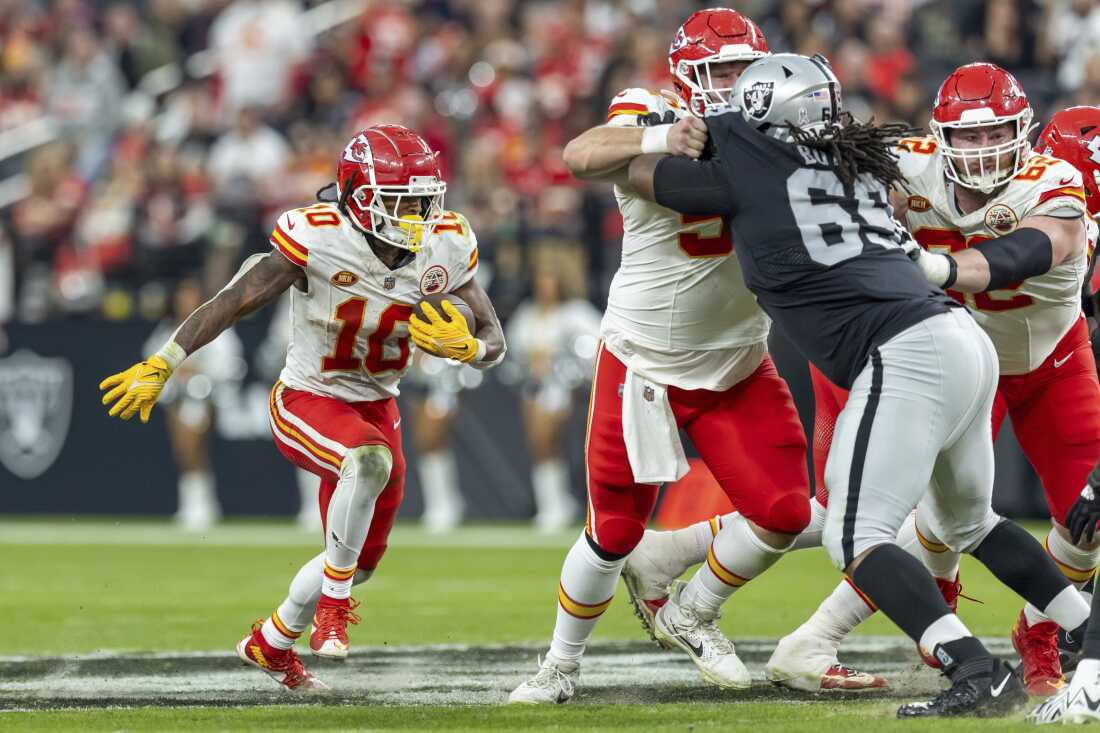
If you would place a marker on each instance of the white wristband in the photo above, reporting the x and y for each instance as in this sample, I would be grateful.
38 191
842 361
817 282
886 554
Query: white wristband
481 349
173 354
655 139
935 267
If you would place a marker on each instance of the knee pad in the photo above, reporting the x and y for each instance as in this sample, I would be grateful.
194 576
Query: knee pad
369 466
789 514
617 536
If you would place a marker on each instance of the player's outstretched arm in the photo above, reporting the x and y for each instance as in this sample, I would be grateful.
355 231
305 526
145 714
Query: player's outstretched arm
602 153
261 279
1040 243
698 187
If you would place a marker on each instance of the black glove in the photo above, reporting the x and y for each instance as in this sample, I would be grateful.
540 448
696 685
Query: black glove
1082 517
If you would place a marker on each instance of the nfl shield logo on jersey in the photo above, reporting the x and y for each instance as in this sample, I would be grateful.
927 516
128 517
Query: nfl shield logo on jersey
390 282
1001 219
36 400
758 99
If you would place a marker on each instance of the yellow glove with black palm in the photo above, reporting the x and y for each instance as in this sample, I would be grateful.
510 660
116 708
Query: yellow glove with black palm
450 339
136 389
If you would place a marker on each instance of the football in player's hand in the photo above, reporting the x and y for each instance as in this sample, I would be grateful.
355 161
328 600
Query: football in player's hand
436 301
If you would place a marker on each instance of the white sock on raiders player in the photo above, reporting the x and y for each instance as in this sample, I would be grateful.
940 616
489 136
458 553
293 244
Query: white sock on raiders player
735 557
1076 563
585 590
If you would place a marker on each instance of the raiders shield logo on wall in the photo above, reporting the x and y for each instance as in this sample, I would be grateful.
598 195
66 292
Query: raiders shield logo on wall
758 99
36 401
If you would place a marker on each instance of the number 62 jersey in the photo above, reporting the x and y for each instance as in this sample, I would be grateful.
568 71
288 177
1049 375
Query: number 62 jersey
349 328
1025 321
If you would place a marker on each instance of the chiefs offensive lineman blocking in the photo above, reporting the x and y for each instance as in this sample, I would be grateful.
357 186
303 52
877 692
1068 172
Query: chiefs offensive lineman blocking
684 346
973 187
357 268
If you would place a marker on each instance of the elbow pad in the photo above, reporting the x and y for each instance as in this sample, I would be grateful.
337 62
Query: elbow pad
1014 257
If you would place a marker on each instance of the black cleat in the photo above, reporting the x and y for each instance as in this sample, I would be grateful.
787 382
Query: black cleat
999 693
1069 651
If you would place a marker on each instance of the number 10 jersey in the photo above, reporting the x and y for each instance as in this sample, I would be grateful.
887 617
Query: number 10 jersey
349 336
1027 320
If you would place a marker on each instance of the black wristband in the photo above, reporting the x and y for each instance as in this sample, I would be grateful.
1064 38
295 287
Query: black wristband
953 272
1014 257
1094 478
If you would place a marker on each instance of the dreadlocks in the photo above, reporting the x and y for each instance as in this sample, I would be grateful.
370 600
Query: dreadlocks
858 147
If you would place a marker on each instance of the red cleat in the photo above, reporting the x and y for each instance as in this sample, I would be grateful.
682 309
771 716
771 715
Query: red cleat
839 677
282 665
329 638
1038 649
951 590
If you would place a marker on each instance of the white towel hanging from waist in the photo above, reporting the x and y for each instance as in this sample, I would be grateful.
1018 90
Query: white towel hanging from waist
649 430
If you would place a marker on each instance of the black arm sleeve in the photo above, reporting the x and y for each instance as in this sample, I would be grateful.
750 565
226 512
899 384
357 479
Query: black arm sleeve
693 186
1024 253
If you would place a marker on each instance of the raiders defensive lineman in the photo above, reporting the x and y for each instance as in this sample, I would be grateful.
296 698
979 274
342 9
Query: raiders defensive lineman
819 249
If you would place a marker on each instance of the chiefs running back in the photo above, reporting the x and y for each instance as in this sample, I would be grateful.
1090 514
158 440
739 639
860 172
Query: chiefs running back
356 266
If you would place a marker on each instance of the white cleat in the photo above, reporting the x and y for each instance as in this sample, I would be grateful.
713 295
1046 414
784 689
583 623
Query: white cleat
553 684
702 640
649 570
1077 702
802 662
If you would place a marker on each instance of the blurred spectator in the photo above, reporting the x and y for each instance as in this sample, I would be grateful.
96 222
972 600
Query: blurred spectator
86 96
552 339
257 44
188 402
1073 34
245 168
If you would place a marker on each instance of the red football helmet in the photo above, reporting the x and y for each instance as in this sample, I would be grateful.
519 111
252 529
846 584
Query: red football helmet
982 95
1074 136
711 36
379 170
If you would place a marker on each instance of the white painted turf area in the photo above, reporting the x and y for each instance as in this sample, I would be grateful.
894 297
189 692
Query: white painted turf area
617 673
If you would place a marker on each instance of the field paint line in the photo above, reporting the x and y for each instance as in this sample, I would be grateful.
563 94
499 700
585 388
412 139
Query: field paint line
860 645
250 534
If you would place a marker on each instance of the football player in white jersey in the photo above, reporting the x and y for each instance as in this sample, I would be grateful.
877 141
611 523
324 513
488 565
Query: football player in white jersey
356 268
684 346
956 200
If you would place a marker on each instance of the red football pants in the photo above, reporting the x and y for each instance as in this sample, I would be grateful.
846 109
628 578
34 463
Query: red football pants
749 437
1055 412
315 433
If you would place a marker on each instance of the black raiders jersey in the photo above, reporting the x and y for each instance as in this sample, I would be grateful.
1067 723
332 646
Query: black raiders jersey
824 262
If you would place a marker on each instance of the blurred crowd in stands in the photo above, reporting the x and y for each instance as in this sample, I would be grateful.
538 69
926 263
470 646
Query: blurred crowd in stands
145 142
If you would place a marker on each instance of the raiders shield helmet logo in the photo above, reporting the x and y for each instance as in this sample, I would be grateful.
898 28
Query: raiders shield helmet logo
758 99
36 401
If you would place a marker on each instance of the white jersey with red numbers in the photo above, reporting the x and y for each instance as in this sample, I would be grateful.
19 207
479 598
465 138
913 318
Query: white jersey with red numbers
678 311
349 328
1025 322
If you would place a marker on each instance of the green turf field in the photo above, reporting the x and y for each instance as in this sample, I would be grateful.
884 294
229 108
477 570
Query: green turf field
105 615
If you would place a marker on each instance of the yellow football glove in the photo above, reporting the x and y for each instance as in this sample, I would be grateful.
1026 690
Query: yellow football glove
449 339
137 388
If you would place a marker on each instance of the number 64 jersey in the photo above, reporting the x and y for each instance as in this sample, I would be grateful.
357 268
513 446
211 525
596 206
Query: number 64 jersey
1027 321
349 328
